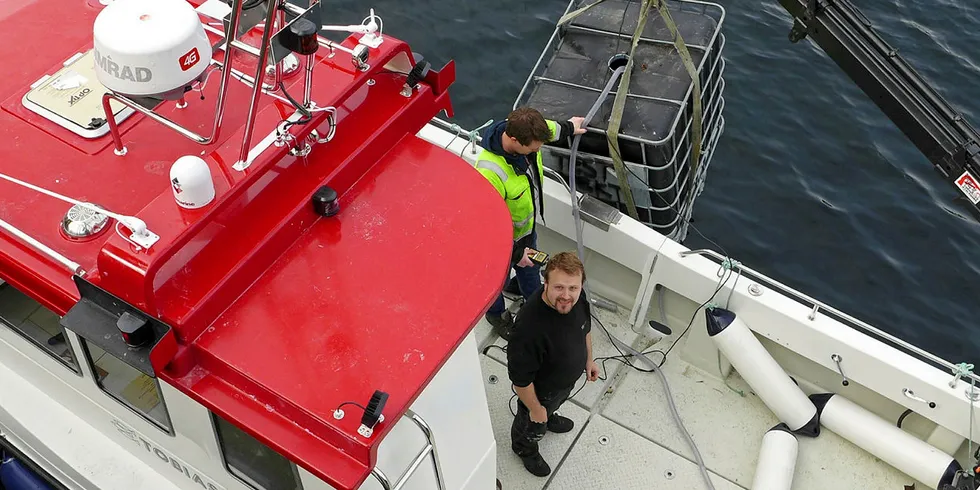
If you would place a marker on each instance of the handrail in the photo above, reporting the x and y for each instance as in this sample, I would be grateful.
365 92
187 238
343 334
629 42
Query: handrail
817 306
274 7
557 176
73 266
429 449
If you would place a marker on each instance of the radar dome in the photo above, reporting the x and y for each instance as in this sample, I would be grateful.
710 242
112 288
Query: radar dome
150 47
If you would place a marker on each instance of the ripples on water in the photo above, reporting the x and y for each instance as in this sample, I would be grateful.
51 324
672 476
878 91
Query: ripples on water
811 184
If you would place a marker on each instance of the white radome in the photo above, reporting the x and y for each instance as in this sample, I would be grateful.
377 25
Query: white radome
150 47
190 180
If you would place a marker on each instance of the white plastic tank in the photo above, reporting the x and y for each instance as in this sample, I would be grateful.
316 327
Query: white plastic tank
150 47
190 180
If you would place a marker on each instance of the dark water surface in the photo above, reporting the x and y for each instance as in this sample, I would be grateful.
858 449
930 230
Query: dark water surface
811 184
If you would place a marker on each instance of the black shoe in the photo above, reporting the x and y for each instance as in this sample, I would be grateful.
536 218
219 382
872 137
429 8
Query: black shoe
502 325
512 288
536 465
559 424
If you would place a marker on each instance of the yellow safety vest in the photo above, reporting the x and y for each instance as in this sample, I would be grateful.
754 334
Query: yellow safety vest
513 187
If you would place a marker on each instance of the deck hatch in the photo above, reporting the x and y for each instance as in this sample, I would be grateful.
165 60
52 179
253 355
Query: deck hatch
72 98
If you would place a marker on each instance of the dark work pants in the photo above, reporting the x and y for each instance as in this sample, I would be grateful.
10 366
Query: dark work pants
528 278
524 433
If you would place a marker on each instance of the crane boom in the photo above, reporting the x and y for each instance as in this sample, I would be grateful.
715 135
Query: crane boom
934 127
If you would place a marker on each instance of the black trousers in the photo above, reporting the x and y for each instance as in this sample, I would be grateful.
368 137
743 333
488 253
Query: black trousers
525 433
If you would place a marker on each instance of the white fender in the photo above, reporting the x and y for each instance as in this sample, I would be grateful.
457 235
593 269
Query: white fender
777 460
898 448
762 372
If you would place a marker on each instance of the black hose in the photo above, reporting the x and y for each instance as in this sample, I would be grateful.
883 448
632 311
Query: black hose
902 417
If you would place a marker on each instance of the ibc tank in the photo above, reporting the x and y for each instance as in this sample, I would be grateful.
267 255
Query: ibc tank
655 133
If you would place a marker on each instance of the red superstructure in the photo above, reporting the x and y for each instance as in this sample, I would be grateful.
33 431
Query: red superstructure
276 315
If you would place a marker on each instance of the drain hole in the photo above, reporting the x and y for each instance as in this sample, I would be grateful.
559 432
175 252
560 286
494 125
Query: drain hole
617 61
492 379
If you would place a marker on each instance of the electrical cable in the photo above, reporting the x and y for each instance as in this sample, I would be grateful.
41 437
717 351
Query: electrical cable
358 405
307 115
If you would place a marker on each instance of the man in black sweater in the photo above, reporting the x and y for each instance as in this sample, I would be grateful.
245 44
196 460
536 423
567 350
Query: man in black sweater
551 346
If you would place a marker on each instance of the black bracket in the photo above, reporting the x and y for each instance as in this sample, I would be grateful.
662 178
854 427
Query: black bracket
801 25
418 73
372 414
281 45
101 318
253 13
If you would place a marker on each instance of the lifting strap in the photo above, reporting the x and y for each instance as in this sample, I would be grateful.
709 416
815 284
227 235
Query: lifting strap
615 118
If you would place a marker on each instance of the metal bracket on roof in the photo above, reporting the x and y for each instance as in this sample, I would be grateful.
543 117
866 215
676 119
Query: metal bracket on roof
104 320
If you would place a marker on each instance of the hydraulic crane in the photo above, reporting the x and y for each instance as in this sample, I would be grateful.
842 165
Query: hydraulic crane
934 127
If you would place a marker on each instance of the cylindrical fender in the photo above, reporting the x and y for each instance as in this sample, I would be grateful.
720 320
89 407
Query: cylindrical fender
777 460
898 448
762 372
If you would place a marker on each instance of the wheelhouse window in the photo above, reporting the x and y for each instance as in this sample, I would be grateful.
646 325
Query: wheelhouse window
129 386
37 324
252 462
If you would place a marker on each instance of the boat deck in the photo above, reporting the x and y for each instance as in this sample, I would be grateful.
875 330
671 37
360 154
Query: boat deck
626 437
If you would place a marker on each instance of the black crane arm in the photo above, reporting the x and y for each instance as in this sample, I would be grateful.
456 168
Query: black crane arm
936 129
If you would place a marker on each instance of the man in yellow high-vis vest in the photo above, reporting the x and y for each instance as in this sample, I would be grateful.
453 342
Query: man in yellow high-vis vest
511 163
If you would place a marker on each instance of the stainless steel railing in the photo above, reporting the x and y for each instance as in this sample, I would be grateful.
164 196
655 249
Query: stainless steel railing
818 307
428 450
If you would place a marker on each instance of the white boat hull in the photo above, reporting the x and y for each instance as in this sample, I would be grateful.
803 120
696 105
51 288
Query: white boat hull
622 422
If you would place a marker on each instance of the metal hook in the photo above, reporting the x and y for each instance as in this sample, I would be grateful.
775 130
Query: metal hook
911 394
837 358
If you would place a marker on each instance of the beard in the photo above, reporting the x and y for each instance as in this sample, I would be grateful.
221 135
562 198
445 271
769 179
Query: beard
563 306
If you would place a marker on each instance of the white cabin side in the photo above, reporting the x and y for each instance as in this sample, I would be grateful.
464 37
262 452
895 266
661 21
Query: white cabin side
149 435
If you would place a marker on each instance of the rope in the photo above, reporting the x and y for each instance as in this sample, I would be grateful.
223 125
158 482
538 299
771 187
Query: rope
473 136
962 369
571 15
966 369
972 403
616 117
730 263
136 225
727 265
